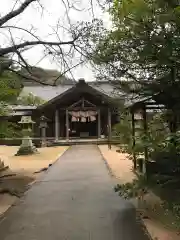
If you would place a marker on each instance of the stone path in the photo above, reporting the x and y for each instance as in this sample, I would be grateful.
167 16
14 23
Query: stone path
73 201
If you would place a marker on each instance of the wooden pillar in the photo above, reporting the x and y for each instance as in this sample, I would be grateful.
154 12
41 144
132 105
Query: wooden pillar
56 125
67 124
144 115
59 126
109 128
99 123
133 140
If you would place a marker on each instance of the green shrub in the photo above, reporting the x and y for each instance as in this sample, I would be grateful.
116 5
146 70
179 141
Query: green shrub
9 130
130 190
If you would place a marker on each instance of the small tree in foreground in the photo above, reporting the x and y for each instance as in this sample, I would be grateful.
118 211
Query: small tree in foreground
30 99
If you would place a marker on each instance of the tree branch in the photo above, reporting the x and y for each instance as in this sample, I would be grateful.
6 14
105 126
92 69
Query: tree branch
14 48
16 12
30 78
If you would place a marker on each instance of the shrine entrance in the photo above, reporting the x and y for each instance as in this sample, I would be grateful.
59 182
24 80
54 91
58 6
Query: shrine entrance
81 112
83 129
83 120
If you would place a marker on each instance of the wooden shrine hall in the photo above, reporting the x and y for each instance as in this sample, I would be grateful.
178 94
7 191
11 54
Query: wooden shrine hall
79 112
82 111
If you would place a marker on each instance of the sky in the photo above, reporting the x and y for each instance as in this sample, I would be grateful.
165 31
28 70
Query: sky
43 20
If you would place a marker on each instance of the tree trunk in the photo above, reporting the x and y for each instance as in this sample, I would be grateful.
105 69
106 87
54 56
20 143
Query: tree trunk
173 122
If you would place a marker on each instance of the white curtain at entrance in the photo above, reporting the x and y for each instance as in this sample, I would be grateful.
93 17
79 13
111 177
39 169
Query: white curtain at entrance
92 118
83 116
83 119
74 119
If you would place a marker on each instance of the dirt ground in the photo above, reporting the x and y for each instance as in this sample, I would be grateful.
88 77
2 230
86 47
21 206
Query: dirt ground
119 163
121 168
31 163
22 169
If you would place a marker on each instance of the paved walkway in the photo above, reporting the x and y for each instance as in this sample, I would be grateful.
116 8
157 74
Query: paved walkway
73 201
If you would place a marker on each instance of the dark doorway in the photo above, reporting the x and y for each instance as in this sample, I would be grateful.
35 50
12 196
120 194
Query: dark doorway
83 129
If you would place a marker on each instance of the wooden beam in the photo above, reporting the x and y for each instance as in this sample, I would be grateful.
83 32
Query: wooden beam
63 109
76 103
82 102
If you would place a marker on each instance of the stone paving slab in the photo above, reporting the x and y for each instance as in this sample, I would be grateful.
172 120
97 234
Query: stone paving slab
74 200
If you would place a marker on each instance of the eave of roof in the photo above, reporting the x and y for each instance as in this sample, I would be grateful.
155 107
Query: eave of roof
49 92
78 85
22 107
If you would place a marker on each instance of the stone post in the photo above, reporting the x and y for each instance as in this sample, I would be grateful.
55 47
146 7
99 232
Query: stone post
43 132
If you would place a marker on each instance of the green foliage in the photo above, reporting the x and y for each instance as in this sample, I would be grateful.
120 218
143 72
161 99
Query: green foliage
123 130
165 210
157 129
163 146
30 99
143 47
9 130
131 190
10 87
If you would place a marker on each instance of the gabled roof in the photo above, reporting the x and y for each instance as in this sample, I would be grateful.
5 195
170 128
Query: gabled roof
80 87
49 92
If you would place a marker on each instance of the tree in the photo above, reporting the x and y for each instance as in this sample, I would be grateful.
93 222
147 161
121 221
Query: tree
143 48
10 85
30 99
63 43
123 129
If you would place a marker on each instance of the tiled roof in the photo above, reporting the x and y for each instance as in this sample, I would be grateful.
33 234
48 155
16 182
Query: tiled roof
49 92
20 110
45 92
22 107
107 88
20 113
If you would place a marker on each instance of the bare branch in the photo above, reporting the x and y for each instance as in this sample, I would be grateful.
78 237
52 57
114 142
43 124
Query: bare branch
65 46
14 5
31 78
68 70
21 29
16 12
7 50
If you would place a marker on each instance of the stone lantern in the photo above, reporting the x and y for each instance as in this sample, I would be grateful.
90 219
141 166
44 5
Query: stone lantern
27 147
43 126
